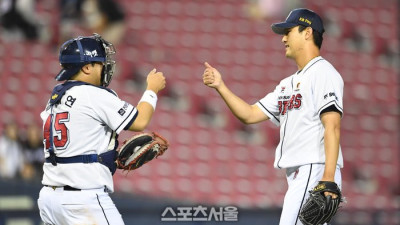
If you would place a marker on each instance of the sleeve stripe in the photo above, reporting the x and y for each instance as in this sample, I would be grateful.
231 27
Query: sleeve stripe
269 112
134 110
328 104
129 124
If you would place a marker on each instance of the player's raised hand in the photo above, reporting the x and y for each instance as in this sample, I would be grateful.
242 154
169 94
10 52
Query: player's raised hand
155 81
211 76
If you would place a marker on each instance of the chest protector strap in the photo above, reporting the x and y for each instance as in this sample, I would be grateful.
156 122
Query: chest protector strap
106 158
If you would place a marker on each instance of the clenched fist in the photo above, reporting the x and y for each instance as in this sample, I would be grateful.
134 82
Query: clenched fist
155 81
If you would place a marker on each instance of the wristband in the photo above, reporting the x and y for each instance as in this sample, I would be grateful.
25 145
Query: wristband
150 97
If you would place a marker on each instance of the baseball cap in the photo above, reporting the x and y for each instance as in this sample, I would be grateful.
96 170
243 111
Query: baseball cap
297 17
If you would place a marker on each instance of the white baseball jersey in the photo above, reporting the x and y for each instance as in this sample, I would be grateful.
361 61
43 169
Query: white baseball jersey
85 122
295 105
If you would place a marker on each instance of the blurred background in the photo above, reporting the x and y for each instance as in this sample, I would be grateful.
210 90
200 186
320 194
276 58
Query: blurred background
213 159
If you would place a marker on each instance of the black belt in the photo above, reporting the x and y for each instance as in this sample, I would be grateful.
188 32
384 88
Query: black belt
66 188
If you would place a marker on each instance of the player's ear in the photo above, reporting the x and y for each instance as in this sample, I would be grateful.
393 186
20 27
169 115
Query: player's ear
86 69
309 33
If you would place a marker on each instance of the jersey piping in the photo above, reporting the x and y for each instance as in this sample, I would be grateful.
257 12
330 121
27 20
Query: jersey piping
312 65
134 117
276 118
305 191
283 139
284 132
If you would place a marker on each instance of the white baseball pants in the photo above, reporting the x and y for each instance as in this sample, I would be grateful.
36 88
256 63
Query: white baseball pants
301 180
58 207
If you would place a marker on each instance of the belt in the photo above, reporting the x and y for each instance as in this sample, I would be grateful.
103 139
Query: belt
69 188
66 188
75 159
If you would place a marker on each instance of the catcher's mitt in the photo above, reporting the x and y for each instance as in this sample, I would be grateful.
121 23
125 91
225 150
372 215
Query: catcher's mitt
320 209
140 149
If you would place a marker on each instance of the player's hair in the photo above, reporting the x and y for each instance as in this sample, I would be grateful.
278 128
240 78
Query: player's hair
317 36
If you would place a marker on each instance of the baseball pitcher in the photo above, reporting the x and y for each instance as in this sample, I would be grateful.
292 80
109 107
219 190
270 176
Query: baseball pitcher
307 106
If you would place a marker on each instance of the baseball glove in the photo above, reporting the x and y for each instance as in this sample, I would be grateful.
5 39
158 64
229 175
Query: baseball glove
320 209
140 149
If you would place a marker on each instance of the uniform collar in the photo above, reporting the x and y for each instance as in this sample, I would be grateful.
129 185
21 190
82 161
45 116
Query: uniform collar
309 64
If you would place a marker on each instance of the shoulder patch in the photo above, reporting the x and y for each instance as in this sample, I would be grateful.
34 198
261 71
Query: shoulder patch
122 110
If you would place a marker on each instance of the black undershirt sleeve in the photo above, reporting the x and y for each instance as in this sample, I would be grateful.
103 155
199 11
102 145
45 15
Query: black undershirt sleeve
331 108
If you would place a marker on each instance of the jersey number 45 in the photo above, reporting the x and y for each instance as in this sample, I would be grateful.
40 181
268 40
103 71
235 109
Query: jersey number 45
60 131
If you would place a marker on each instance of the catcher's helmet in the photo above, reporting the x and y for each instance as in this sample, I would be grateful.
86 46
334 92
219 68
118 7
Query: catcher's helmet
80 51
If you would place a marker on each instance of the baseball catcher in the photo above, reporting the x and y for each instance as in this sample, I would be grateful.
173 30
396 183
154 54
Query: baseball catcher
140 149
320 209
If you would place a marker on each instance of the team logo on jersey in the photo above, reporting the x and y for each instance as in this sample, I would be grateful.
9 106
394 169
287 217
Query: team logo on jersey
288 102
122 110
297 87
